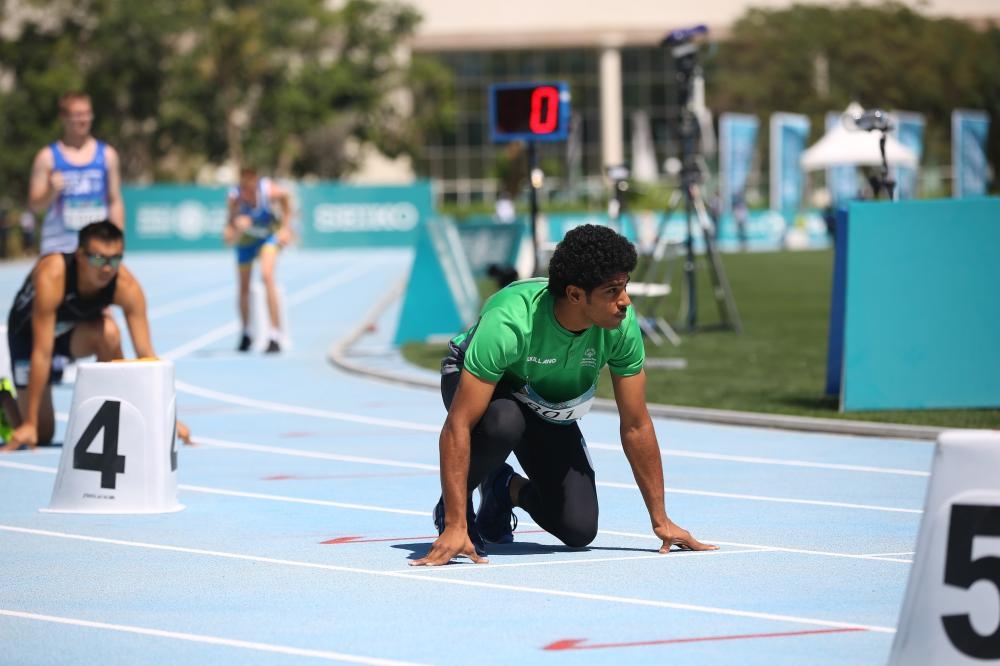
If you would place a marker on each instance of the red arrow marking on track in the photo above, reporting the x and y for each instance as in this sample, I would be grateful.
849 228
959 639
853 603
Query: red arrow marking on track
576 643
357 539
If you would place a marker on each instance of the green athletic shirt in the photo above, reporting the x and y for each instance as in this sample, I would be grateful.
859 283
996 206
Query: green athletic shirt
518 343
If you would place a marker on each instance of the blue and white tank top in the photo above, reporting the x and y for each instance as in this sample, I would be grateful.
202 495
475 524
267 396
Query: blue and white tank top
84 199
261 215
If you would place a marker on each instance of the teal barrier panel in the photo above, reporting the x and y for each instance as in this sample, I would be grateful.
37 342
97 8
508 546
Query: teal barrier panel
174 217
441 296
335 215
922 316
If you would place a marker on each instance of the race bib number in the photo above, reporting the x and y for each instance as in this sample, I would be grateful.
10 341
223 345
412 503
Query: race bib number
78 215
557 412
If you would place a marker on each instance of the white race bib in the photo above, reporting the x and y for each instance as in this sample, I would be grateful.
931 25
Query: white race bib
559 412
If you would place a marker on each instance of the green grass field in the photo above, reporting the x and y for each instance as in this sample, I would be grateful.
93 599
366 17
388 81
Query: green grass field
776 365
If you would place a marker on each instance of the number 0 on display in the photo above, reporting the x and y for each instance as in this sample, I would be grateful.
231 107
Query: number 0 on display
529 112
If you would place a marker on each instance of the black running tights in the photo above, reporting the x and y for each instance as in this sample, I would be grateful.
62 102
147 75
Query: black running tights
561 494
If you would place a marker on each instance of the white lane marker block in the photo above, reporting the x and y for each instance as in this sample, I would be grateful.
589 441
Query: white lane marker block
120 450
951 611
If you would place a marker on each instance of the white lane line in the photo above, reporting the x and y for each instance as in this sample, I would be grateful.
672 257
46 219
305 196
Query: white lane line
301 500
210 640
757 460
233 399
622 558
267 497
600 484
190 303
417 576
344 276
765 498
203 340
300 453
269 405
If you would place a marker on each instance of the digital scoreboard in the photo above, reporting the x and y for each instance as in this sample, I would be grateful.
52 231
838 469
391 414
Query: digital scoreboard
529 111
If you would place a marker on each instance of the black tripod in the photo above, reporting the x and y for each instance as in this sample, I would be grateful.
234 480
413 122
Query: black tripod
871 121
882 181
685 53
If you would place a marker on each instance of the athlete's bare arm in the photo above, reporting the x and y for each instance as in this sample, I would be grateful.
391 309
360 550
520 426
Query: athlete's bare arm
643 453
45 182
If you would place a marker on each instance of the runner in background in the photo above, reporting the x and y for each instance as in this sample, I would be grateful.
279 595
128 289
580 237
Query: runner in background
75 180
258 224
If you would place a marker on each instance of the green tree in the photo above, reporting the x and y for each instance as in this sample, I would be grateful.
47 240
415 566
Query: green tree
814 58
292 85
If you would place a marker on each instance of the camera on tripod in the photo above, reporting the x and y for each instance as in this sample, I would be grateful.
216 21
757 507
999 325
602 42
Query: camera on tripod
873 120
681 47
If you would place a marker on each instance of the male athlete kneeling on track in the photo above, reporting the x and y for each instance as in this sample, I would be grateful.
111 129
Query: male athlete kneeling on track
518 381
62 310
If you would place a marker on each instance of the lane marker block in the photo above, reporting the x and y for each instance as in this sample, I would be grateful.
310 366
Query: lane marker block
951 611
120 450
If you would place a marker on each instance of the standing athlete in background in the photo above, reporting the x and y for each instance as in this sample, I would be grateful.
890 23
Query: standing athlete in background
258 224
76 180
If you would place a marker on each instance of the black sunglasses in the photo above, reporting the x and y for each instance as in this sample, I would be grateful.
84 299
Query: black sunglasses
100 261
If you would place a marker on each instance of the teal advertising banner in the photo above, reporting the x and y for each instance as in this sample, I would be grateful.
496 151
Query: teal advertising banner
174 217
737 141
335 215
910 128
969 134
922 314
789 132
191 217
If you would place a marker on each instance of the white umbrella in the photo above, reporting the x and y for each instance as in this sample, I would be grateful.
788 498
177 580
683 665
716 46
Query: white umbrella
842 146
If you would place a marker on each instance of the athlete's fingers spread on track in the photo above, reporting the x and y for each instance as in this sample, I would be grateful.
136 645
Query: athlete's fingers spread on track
446 548
674 535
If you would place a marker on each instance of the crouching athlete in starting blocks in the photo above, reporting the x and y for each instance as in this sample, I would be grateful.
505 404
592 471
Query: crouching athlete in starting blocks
62 310
519 380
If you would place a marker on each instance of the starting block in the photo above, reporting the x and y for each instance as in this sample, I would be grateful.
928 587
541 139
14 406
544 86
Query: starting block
260 319
120 450
951 611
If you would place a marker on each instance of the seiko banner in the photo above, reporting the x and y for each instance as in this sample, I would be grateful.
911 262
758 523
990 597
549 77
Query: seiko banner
191 217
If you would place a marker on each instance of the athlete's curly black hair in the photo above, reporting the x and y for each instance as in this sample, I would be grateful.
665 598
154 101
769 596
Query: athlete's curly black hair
587 257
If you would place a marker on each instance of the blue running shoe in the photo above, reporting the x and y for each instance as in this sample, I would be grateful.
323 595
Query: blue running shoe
496 520
470 518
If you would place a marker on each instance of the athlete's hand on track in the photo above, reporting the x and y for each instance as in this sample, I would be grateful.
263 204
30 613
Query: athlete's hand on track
452 543
675 535
184 433
24 435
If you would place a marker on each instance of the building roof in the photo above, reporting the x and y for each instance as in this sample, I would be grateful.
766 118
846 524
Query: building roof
496 24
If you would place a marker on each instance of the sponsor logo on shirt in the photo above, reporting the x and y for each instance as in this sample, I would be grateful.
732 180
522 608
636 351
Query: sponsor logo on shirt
541 361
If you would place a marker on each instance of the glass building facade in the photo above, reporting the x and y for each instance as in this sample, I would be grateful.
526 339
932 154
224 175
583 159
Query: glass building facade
468 168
